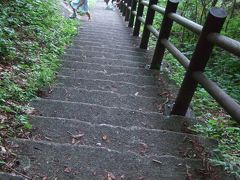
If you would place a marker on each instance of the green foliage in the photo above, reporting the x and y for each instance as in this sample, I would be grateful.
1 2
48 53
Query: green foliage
227 154
32 36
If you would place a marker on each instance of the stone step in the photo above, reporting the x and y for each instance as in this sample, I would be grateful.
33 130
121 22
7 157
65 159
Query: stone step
112 32
103 38
144 142
63 161
112 86
108 69
101 61
87 54
12 176
106 21
111 18
104 28
126 34
97 114
82 47
112 45
106 48
110 37
103 98
109 32
122 77
110 41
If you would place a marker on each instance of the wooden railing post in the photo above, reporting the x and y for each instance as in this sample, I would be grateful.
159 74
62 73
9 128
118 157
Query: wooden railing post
121 6
127 14
148 21
164 34
137 22
133 8
213 24
124 8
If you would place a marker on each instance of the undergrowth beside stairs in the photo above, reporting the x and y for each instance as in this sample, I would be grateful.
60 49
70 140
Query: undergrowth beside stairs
33 34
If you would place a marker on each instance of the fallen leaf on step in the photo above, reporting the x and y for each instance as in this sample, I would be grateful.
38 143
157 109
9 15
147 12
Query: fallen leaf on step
98 144
110 176
77 136
104 137
68 170
122 177
136 94
157 161
47 138
144 145
143 148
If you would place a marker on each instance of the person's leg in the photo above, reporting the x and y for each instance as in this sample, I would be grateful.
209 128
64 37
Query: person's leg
74 15
107 1
89 15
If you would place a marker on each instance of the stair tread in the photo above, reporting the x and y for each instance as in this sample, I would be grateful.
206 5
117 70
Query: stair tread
111 49
103 98
110 86
141 141
102 49
10 176
98 43
101 61
97 114
107 69
122 77
65 161
87 54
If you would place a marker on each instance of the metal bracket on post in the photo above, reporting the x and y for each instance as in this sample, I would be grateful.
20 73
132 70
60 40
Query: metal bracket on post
213 24
164 34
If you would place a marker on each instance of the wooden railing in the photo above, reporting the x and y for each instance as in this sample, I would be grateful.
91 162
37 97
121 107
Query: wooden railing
208 37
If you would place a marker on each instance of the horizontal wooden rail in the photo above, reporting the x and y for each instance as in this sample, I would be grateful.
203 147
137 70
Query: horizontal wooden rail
158 9
219 95
190 25
183 60
141 19
134 13
153 30
226 43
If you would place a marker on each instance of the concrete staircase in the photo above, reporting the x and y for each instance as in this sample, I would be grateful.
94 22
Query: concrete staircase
102 118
